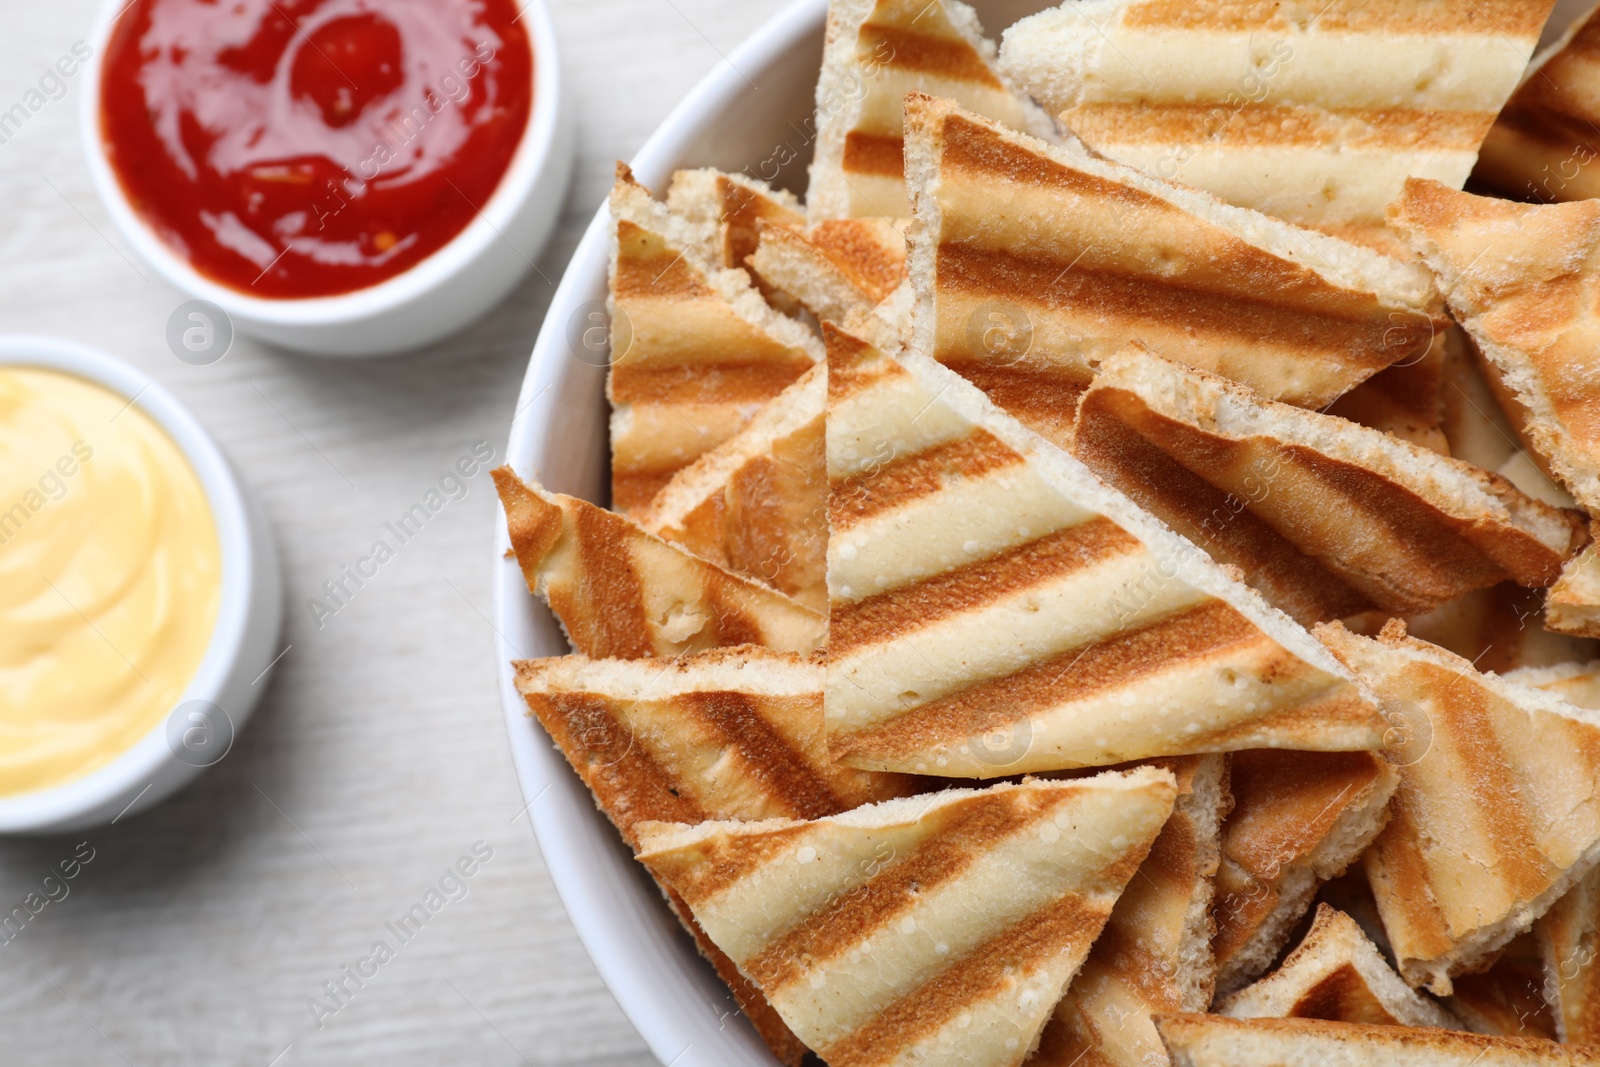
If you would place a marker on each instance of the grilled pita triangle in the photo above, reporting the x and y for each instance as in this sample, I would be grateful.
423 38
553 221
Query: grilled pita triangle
1310 112
726 734
1336 974
1524 279
841 267
1154 954
757 504
996 609
1496 815
1573 606
1299 819
932 930
1216 1041
621 592
877 51
695 350
1326 518
1087 256
1544 139
729 210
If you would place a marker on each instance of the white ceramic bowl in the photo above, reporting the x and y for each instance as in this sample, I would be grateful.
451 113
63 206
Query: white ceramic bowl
435 298
244 641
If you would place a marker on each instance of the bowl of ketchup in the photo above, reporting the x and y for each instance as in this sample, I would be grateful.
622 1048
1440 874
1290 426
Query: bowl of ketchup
348 177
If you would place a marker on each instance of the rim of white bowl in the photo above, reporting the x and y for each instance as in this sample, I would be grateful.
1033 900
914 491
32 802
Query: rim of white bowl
534 155
43 807
659 1015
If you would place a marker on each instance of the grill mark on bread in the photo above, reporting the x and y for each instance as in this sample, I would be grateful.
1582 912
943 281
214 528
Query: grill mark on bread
630 784
1124 303
1496 798
632 490
646 267
851 369
861 254
874 153
963 835
904 480
1040 563
711 866
1074 674
983 973
601 543
1280 126
944 57
1043 395
784 771
708 382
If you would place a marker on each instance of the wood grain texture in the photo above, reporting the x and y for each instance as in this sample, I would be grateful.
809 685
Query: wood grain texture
378 756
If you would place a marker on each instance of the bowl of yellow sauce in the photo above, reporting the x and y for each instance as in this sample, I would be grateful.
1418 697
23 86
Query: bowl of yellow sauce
140 593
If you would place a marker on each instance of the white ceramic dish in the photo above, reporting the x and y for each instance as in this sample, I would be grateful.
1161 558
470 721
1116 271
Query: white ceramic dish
435 298
244 642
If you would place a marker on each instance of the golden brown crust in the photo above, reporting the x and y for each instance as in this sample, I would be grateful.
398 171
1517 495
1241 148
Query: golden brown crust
621 592
1349 517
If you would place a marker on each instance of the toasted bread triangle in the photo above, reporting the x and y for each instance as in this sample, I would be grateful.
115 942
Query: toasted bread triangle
996 609
1089 256
1327 518
1299 819
757 503
1335 973
620 592
1496 815
1573 606
1311 113
1154 955
695 350
933 930
1544 138
1217 1041
1524 279
876 51
727 734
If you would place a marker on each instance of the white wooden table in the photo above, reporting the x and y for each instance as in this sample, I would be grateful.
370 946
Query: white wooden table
200 930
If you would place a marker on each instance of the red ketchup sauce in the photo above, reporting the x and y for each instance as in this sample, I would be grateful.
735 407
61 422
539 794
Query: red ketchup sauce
304 148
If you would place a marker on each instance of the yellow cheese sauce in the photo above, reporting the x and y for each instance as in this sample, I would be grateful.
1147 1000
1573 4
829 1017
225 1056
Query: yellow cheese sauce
110 577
